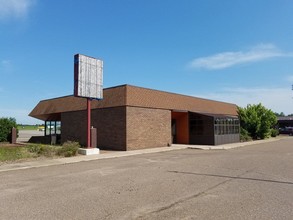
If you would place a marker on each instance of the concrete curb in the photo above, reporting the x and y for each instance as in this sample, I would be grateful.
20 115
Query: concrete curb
69 160
233 145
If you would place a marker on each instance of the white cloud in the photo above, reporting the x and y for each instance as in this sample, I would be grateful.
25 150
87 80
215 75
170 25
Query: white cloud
277 99
290 79
15 8
6 66
228 59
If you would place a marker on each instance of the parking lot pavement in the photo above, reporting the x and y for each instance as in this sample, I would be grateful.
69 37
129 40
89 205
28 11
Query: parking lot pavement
114 154
251 182
25 135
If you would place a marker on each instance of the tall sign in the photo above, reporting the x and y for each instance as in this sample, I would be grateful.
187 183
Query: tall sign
88 77
88 83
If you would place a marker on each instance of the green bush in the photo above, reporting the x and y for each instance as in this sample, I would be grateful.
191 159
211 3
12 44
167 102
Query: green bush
42 150
257 120
6 124
244 135
274 132
68 149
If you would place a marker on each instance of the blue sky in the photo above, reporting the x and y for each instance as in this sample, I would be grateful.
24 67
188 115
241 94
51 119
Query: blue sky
230 50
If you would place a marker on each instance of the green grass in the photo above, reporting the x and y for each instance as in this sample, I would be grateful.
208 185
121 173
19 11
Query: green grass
14 153
27 127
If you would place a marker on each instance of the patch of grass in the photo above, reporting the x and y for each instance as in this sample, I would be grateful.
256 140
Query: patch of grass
13 153
27 127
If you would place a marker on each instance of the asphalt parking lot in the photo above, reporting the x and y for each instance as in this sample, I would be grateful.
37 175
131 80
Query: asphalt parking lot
25 135
252 182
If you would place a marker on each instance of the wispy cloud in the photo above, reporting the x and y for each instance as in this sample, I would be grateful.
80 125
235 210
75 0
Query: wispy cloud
230 58
15 8
290 79
278 99
5 66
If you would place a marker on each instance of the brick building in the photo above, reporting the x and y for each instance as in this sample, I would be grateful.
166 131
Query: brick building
131 117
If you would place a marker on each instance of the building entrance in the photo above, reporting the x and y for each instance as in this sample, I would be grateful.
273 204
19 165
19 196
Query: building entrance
180 131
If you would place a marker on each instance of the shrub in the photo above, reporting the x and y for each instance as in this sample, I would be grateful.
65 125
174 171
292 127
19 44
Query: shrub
244 135
6 124
68 149
274 132
42 150
257 120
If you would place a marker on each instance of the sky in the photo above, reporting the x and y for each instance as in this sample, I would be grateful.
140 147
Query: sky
231 50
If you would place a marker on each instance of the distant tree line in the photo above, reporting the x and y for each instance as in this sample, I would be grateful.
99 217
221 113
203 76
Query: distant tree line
282 114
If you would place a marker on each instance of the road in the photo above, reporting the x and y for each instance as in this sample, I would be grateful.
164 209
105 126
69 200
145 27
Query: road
253 182
25 135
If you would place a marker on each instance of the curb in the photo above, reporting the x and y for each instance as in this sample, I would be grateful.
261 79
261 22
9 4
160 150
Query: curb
77 159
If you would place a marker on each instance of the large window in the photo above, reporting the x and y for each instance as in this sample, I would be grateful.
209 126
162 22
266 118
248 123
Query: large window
196 125
52 127
226 126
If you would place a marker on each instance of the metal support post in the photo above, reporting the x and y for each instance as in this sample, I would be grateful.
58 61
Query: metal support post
88 123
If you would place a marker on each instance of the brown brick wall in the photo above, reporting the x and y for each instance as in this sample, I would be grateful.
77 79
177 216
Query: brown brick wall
73 127
111 127
110 124
148 128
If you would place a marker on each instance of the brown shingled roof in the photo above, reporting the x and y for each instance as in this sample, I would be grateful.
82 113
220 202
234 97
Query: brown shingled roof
127 95
137 96
46 109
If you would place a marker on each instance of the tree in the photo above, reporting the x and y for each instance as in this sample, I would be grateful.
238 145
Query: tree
257 120
6 124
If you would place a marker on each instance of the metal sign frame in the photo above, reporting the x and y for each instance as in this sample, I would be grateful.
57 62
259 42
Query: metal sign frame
88 83
88 77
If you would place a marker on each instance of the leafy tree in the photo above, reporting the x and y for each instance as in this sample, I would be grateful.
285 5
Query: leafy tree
257 120
6 124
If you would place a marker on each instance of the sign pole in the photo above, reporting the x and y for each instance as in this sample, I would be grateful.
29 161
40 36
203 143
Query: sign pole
88 123
88 83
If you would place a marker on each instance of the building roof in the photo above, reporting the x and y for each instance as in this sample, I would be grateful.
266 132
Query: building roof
285 118
127 95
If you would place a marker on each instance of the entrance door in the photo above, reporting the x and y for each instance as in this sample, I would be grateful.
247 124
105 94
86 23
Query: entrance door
180 130
174 140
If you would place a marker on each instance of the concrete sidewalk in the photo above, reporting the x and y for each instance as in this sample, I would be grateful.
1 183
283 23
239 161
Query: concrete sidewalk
114 154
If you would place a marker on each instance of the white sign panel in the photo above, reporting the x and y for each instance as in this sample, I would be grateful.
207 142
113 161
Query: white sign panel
88 77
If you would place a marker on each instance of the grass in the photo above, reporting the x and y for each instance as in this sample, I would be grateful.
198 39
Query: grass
14 153
27 127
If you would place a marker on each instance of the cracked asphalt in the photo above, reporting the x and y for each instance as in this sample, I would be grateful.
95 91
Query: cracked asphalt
252 182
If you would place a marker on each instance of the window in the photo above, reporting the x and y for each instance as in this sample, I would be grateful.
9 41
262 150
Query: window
52 127
226 126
